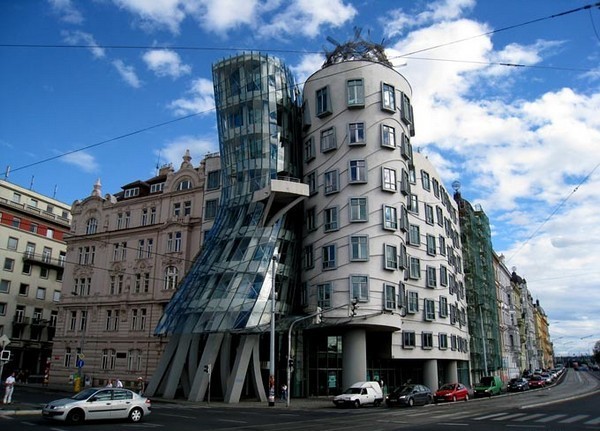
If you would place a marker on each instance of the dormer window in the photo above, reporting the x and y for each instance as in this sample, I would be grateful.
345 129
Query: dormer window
155 188
130 193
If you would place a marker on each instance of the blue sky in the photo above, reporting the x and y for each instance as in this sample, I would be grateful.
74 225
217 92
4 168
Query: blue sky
110 88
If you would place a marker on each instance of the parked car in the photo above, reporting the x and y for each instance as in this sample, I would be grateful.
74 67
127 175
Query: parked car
488 386
99 403
537 381
360 394
409 395
451 392
518 384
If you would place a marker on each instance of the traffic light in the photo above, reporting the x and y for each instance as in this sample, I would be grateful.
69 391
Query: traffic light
291 363
353 307
207 368
319 315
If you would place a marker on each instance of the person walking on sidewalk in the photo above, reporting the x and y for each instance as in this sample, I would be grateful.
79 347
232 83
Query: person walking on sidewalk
9 387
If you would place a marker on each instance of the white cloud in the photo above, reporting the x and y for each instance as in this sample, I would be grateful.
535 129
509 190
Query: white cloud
82 38
68 13
165 62
309 63
173 151
200 99
158 14
221 15
127 73
84 161
307 17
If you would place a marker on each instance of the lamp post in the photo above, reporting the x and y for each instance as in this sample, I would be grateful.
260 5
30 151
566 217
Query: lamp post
274 259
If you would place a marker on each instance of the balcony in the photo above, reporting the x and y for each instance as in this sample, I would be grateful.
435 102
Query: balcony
20 320
36 211
44 260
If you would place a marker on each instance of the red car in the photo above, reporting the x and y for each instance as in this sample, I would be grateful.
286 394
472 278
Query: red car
537 381
452 392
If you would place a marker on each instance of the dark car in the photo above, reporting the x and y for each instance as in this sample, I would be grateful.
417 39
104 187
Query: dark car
409 395
452 392
518 385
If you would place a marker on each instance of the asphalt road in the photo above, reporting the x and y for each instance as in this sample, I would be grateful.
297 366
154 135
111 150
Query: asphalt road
564 406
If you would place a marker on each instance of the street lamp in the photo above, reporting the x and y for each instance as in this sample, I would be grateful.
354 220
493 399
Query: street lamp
274 259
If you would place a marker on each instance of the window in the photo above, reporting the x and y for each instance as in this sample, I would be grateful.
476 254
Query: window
429 309
91 226
331 182
429 214
171 277
323 103
390 257
330 222
174 242
414 234
112 320
72 320
442 241
176 209
403 257
213 180
4 286
356 134
431 249
388 99
431 275
13 243
388 136
443 306
328 256
414 270
328 141
359 287
439 215
187 208
153 215
33 228
443 341
311 180
23 289
16 222
108 360
40 293
408 339
403 218
355 93
413 302
389 291
130 193
427 340
388 182
184 185
324 295
359 248
404 183
358 171
16 197
425 180
210 212
390 218
443 276
413 204
406 148
308 257
134 360
116 284
405 109
311 219
83 320
9 264
155 188
309 150
358 210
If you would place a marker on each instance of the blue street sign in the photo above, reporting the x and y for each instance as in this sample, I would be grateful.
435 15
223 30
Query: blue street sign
79 363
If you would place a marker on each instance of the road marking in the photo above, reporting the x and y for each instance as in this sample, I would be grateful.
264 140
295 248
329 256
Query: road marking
593 421
452 424
510 417
550 418
489 416
573 419
530 417
233 421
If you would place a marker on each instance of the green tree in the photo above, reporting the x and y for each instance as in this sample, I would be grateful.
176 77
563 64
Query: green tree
597 352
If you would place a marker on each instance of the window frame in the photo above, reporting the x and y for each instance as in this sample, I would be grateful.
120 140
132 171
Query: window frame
359 248
359 287
323 102
355 94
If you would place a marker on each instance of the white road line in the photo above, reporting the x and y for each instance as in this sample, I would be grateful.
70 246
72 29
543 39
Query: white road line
510 417
550 418
593 421
481 418
573 419
233 421
530 417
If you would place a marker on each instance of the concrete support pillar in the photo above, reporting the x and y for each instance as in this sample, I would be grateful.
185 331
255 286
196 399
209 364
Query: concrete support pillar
452 372
354 357
430 374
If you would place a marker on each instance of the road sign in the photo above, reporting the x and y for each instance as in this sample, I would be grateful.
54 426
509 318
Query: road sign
79 363
4 341
5 355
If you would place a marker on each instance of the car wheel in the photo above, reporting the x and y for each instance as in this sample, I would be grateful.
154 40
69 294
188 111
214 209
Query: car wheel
136 414
357 404
377 403
467 397
75 416
411 402
429 399
454 398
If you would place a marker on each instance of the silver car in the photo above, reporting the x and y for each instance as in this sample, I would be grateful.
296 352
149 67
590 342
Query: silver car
99 403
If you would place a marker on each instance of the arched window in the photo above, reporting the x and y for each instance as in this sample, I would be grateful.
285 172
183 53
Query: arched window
91 226
184 185
171 277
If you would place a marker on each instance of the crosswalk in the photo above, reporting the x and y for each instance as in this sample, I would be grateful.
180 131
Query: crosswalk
539 418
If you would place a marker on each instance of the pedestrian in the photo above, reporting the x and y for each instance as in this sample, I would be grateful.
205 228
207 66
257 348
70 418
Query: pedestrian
109 384
141 385
9 387
284 390
118 383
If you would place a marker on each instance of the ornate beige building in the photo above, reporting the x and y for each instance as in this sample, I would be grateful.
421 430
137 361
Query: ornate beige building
126 255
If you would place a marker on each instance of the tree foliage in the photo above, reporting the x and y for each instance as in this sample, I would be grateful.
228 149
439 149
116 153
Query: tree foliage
597 352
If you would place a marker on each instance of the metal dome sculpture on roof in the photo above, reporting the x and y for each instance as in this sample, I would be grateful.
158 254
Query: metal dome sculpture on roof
357 49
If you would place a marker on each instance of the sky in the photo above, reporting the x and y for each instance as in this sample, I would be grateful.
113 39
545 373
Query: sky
506 101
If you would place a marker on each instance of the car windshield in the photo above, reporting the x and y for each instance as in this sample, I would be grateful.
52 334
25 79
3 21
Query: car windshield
85 394
404 390
353 391
486 381
447 387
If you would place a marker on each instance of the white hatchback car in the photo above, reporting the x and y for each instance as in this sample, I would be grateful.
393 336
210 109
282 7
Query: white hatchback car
99 403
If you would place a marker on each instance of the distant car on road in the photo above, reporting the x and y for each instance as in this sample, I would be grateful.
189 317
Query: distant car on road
360 394
451 392
537 381
409 395
518 384
99 403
